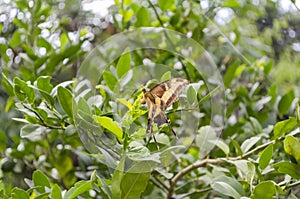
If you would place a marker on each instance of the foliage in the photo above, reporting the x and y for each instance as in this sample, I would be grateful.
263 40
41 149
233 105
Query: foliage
43 153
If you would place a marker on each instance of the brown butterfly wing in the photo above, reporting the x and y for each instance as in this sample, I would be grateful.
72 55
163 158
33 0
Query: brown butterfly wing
169 90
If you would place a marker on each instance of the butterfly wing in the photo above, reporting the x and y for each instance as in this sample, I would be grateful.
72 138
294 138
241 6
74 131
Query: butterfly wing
169 91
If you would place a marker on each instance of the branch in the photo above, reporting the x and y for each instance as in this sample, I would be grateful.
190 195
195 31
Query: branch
188 169
201 163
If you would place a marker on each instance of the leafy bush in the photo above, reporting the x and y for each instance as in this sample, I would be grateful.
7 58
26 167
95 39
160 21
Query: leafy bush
86 138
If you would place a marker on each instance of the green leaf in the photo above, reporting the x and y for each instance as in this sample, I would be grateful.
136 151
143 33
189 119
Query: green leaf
288 168
265 190
265 157
32 130
40 181
249 143
286 102
8 85
23 91
273 93
56 192
230 73
123 65
191 95
222 145
64 39
165 5
66 101
135 180
298 113
231 3
142 17
110 125
283 127
268 67
18 193
3 140
42 42
20 23
256 125
45 88
117 178
15 40
225 189
126 103
237 147
110 80
166 76
3 50
22 4
63 164
205 140
230 186
79 188
292 147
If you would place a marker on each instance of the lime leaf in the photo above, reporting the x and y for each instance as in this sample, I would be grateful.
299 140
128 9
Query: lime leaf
117 178
288 168
31 130
18 193
292 147
286 102
264 189
8 85
123 65
231 3
142 17
15 40
265 157
166 76
65 99
164 5
56 192
135 180
79 188
109 79
222 145
40 181
230 73
43 83
225 189
110 125
205 138
23 91
283 127
191 95
247 144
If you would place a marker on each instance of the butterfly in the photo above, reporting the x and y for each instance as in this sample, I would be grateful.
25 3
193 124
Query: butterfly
158 99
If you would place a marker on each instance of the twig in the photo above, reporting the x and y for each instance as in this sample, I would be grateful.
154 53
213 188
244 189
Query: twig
167 37
293 185
42 120
196 191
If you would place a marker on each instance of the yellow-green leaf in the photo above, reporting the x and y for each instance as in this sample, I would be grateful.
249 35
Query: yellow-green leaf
110 125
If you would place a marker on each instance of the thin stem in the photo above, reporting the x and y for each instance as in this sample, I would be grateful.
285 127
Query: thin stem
42 120
159 183
196 191
293 185
167 36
